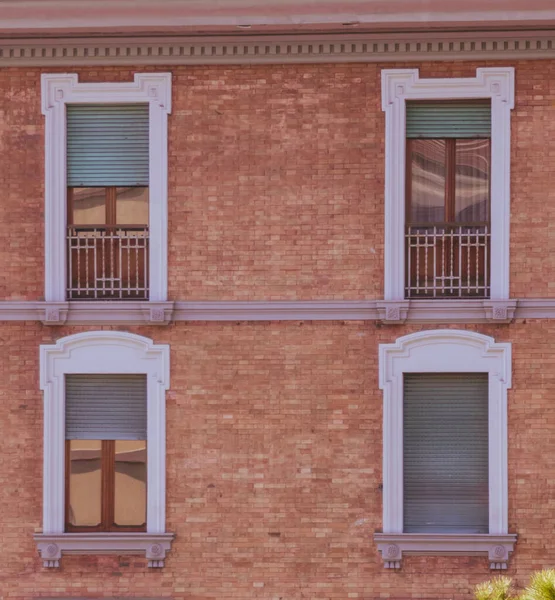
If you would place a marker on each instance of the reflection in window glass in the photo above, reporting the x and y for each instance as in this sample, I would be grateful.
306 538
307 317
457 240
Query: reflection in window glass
472 180
132 206
130 484
89 206
85 483
428 171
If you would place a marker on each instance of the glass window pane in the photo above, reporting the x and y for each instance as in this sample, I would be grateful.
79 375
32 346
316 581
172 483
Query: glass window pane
85 483
472 180
130 489
132 206
427 172
89 206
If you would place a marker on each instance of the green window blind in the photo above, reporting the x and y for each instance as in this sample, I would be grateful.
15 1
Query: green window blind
107 145
448 119
445 453
105 407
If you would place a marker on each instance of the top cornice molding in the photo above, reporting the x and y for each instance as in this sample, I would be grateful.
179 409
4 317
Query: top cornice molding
184 17
277 49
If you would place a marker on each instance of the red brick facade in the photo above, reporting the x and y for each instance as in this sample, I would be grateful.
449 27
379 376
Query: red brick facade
274 430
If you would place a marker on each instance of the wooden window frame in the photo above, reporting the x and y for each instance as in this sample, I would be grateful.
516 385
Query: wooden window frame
108 261
110 193
450 183
447 248
108 491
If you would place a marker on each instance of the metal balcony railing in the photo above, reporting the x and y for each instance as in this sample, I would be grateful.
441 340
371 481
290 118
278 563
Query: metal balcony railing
107 262
447 260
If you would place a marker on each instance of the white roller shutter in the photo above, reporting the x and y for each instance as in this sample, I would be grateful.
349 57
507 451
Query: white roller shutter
106 407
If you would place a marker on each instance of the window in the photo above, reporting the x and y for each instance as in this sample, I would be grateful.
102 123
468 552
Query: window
447 178
445 453
107 196
447 244
104 481
105 450
445 446
106 171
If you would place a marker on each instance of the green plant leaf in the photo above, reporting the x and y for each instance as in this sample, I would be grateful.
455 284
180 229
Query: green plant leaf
499 588
542 586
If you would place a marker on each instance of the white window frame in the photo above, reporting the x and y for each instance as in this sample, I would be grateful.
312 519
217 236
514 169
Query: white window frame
444 351
400 85
103 352
60 89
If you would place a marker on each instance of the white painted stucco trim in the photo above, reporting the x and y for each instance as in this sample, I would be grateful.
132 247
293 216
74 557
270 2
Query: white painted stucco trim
495 547
400 85
153 546
163 313
444 351
60 89
103 352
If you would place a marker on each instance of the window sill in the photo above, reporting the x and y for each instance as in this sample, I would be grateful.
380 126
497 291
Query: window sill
496 547
154 546
450 310
117 312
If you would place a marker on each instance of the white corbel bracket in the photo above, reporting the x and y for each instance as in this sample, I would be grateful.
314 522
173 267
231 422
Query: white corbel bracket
158 313
393 313
502 311
55 313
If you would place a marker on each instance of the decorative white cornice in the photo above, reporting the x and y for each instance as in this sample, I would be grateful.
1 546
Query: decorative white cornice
277 49
163 313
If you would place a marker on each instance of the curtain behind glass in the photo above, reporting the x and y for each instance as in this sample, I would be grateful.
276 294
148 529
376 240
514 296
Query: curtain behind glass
472 180
427 172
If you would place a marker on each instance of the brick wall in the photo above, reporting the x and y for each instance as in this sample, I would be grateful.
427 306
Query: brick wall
276 180
274 468
274 429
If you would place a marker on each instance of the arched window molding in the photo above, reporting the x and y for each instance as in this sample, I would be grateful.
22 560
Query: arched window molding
444 351
103 352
